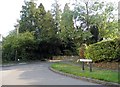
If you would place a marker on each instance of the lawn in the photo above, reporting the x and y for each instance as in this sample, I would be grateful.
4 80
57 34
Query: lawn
106 75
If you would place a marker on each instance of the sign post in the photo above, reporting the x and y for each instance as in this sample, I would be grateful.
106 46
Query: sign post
86 60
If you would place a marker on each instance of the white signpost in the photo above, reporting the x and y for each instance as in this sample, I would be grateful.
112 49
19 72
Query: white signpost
86 60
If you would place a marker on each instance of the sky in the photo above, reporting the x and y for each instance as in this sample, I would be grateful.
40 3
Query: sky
10 12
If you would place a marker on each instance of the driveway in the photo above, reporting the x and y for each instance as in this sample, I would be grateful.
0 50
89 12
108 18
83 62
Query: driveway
36 74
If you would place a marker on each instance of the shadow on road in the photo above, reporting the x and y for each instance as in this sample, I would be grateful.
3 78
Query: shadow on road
39 74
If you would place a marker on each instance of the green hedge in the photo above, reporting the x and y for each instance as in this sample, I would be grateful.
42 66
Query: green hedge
104 50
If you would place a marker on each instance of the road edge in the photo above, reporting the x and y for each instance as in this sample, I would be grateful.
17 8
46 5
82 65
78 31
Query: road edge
111 84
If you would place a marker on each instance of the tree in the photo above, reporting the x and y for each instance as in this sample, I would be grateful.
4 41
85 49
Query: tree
107 23
56 12
66 24
49 27
67 30
88 13
112 30
24 44
39 22
27 21
8 51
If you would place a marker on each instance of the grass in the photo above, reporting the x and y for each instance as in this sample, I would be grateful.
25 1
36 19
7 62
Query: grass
106 75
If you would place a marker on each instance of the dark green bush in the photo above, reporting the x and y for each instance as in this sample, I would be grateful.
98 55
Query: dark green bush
19 46
104 50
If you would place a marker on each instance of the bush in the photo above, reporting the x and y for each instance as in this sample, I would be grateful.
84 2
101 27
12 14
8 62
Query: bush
104 50
23 44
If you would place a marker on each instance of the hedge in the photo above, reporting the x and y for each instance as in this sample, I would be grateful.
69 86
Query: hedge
104 51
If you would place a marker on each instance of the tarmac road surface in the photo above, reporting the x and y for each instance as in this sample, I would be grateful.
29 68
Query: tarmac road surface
36 74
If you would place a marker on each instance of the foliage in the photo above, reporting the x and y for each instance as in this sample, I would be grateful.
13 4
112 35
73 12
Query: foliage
23 43
27 22
66 24
48 28
95 32
43 34
89 13
67 31
56 12
48 48
104 50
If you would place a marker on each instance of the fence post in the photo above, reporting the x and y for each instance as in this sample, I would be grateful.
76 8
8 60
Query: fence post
83 66
90 66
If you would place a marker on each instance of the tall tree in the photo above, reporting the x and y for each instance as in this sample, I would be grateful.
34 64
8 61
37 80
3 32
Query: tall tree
88 13
39 20
67 29
66 23
48 30
56 12
27 21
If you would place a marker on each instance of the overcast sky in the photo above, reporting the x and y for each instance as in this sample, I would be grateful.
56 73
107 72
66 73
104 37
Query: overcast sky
10 12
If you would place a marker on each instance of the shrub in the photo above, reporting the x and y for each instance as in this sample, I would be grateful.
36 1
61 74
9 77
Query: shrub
23 44
104 50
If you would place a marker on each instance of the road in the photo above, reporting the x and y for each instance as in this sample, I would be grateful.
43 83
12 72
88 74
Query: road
36 74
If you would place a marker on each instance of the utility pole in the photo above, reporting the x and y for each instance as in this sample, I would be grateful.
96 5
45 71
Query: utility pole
17 32
0 48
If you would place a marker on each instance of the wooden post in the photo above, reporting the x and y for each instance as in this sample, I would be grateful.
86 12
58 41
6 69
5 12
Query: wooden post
83 66
90 66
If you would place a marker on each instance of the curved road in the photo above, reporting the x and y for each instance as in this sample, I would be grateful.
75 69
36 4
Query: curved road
36 74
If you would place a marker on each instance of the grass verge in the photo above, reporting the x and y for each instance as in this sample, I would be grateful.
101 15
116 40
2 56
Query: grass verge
105 75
